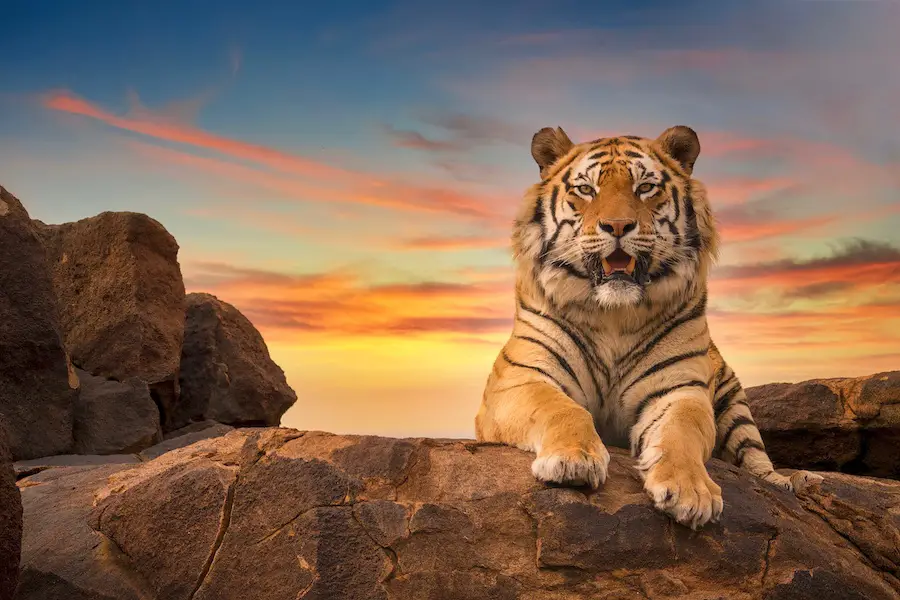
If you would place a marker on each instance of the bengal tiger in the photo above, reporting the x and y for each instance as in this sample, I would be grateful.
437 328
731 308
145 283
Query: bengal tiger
610 341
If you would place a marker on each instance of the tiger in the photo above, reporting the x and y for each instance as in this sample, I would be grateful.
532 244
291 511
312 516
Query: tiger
612 250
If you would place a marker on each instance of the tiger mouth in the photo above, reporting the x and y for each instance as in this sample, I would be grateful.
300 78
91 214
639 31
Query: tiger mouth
619 262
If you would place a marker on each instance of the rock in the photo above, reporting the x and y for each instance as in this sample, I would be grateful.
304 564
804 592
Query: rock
277 513
843 424
63 558
185 437
121 297
114 417
35 395
226 372
10 519
26 468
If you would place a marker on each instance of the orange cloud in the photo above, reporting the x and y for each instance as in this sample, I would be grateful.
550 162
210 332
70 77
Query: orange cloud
854 265
339 304
770 227
67 102
353 189
454 243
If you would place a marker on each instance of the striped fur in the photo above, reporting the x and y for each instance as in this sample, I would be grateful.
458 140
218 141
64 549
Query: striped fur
630 362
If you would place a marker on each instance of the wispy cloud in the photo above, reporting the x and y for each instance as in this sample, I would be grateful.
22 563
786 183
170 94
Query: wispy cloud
453 243
341 303
67 102
853 264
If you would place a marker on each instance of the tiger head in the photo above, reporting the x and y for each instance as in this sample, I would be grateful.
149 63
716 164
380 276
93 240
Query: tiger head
616 221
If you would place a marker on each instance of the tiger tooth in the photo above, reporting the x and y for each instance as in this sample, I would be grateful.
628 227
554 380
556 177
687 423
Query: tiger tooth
606 268
630 268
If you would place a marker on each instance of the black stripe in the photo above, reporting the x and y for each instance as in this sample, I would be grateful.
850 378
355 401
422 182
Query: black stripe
590 357
721 386
693 231
559 359
672 360
676 199
538 216
655 396
598 155
640 444
537 369
742 448
570 269
559 227
633 154
724 403
737 422
634 356
553 198
643 404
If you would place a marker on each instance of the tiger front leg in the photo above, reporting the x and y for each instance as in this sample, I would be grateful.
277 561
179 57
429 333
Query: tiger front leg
673 439
538 417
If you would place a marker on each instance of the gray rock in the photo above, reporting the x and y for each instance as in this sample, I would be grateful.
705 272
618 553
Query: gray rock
113 417
35 393
227 374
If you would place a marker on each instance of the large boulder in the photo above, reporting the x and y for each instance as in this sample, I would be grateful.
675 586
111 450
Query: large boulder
10 521
843 424
121 298
114 417
277 513
36 393
227 374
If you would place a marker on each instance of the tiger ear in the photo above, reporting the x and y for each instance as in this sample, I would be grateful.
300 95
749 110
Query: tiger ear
682 144
548 145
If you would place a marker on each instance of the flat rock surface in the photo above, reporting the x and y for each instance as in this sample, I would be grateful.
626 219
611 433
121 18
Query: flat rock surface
35 392
845 424
278 513
227 374
121 298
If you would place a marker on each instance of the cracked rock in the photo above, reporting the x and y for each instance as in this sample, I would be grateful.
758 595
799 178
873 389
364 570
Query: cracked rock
843 424
276 513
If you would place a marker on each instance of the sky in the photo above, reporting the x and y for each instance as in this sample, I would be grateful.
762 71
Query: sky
346 173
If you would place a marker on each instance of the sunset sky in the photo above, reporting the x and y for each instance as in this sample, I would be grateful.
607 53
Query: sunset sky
346 174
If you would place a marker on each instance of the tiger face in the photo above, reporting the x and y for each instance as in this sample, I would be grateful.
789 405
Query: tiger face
622 216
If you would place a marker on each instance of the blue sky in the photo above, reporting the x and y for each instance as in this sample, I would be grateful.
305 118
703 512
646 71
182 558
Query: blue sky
305 156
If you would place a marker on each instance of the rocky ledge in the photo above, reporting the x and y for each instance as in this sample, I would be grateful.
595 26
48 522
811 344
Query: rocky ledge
848 424
278 513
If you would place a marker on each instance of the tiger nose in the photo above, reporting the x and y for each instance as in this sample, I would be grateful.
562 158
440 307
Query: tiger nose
617 227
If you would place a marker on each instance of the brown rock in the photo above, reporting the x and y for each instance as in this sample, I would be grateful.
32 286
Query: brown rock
226 372
63 558
113 417
843 424
274 513
35 396
121 297
185 437
10 521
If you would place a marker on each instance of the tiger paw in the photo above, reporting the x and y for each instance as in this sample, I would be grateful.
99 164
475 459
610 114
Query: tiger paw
684 491
573 465
798 482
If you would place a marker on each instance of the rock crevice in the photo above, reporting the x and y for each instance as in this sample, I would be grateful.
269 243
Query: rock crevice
286 512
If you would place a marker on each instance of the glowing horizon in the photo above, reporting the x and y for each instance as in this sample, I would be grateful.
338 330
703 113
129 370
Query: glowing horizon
348 179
